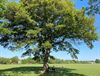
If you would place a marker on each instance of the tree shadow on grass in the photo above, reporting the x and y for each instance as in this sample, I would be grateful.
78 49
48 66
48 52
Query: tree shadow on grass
62 72
21 71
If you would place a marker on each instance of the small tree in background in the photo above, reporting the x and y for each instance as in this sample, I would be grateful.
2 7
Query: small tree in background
97 61
43 26
14 60
28 61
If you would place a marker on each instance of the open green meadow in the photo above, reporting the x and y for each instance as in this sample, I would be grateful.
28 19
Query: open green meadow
61 70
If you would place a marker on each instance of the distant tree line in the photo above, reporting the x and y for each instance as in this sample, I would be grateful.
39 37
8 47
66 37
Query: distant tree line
29 60
13 60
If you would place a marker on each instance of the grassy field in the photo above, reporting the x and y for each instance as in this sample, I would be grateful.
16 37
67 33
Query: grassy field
62 70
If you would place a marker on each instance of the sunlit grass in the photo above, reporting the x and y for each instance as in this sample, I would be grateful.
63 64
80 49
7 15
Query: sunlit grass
61 70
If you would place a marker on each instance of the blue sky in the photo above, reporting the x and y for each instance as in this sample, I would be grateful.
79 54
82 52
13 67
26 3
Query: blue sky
85 52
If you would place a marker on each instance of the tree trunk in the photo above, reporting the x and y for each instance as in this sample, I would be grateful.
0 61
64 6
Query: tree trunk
45 64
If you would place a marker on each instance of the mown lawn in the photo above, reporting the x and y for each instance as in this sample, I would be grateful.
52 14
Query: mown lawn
61 70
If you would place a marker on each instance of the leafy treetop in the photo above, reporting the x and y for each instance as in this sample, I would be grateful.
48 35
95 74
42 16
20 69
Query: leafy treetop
40 25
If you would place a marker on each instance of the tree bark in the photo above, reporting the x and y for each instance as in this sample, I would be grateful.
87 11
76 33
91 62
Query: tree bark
45 64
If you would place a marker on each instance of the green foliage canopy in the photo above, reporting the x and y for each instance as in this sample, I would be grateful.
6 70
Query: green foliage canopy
41 25
94 7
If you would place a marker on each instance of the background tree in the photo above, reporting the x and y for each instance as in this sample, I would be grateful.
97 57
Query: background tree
28 61
97 61
43 26
4 60
14 60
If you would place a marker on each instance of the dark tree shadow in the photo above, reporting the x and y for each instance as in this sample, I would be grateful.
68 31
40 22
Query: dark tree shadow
62 72
19 71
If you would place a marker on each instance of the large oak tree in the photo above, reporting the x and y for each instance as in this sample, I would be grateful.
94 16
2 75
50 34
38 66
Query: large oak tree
43 26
